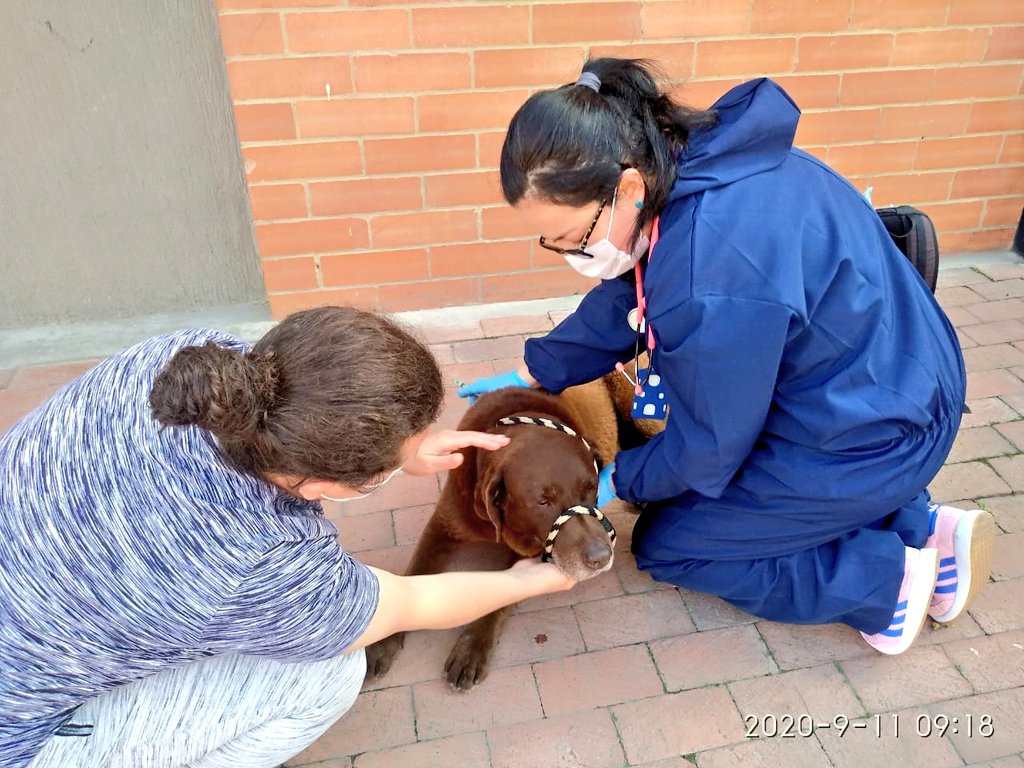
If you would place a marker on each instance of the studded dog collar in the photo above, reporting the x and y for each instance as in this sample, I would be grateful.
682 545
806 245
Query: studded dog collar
579 509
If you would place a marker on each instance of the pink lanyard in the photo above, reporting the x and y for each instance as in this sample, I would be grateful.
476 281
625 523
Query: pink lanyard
641 300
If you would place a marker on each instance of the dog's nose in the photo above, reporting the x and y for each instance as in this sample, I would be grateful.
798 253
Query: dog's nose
597 555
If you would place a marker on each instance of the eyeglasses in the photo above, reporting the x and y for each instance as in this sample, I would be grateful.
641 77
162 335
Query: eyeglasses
578 250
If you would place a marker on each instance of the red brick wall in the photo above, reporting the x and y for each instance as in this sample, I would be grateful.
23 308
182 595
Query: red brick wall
385 194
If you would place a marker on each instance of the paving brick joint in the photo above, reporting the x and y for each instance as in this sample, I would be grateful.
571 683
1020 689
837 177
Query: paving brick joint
624 672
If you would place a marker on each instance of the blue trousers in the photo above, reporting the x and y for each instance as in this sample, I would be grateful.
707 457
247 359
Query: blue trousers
853 579
827 545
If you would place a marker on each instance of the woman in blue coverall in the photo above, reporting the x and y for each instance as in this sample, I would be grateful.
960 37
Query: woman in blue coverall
814 385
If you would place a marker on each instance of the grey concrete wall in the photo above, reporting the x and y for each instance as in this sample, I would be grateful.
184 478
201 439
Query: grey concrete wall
122 191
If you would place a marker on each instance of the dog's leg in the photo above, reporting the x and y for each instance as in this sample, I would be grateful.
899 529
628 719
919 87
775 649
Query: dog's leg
432 554
470 658
381 655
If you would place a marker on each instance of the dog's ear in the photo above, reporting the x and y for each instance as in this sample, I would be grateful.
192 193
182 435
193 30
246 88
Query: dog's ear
491 496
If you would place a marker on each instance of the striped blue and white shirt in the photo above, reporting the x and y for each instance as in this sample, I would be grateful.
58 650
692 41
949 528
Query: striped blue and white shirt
126 550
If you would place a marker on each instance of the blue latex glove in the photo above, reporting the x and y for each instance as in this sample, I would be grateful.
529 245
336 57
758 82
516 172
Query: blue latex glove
490 384
605 493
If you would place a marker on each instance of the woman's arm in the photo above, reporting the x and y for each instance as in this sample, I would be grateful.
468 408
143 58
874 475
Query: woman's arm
583 347
588 343
444 600
719 359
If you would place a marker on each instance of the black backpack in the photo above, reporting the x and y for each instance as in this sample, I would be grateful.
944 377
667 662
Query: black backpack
914 234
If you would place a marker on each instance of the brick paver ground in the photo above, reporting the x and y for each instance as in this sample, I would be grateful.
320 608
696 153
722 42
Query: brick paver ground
623 671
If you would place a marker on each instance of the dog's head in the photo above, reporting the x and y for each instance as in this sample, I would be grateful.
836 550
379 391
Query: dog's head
523 488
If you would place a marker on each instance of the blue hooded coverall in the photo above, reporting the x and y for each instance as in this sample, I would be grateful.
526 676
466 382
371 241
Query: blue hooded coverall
815 386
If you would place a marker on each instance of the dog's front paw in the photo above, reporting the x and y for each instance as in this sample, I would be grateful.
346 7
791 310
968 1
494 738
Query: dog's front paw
381 655
468 663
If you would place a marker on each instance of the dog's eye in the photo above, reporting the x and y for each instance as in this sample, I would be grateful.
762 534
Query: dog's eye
543 503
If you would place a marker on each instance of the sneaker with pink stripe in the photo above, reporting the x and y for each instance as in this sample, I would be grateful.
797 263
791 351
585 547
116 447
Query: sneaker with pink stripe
919 573
964 541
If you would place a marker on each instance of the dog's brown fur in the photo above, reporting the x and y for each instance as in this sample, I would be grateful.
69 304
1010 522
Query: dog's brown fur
499 506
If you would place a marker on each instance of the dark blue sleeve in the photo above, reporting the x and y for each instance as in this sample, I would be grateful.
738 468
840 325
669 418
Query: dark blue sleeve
718 358
588 343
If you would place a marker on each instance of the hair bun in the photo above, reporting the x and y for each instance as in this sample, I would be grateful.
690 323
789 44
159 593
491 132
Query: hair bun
226 392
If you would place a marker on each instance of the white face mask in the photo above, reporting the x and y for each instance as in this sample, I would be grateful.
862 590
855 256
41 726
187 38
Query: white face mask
379 485
604 259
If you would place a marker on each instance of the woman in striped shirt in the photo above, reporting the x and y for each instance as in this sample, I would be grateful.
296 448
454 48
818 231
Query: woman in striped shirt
170 591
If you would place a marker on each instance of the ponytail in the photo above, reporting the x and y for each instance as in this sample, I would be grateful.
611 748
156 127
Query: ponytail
220 390
570 145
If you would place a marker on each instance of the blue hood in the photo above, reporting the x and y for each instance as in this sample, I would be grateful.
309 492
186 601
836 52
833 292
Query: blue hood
754 133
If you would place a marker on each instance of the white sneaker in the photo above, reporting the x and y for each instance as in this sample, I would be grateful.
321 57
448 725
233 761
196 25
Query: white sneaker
964 540
920 571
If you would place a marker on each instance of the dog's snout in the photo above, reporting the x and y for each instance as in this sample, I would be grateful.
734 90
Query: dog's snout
596 555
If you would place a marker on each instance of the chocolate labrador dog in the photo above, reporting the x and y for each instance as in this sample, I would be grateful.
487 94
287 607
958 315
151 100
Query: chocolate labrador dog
499 506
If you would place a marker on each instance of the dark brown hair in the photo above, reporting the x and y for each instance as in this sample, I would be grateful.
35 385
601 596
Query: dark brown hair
570 145
328 394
